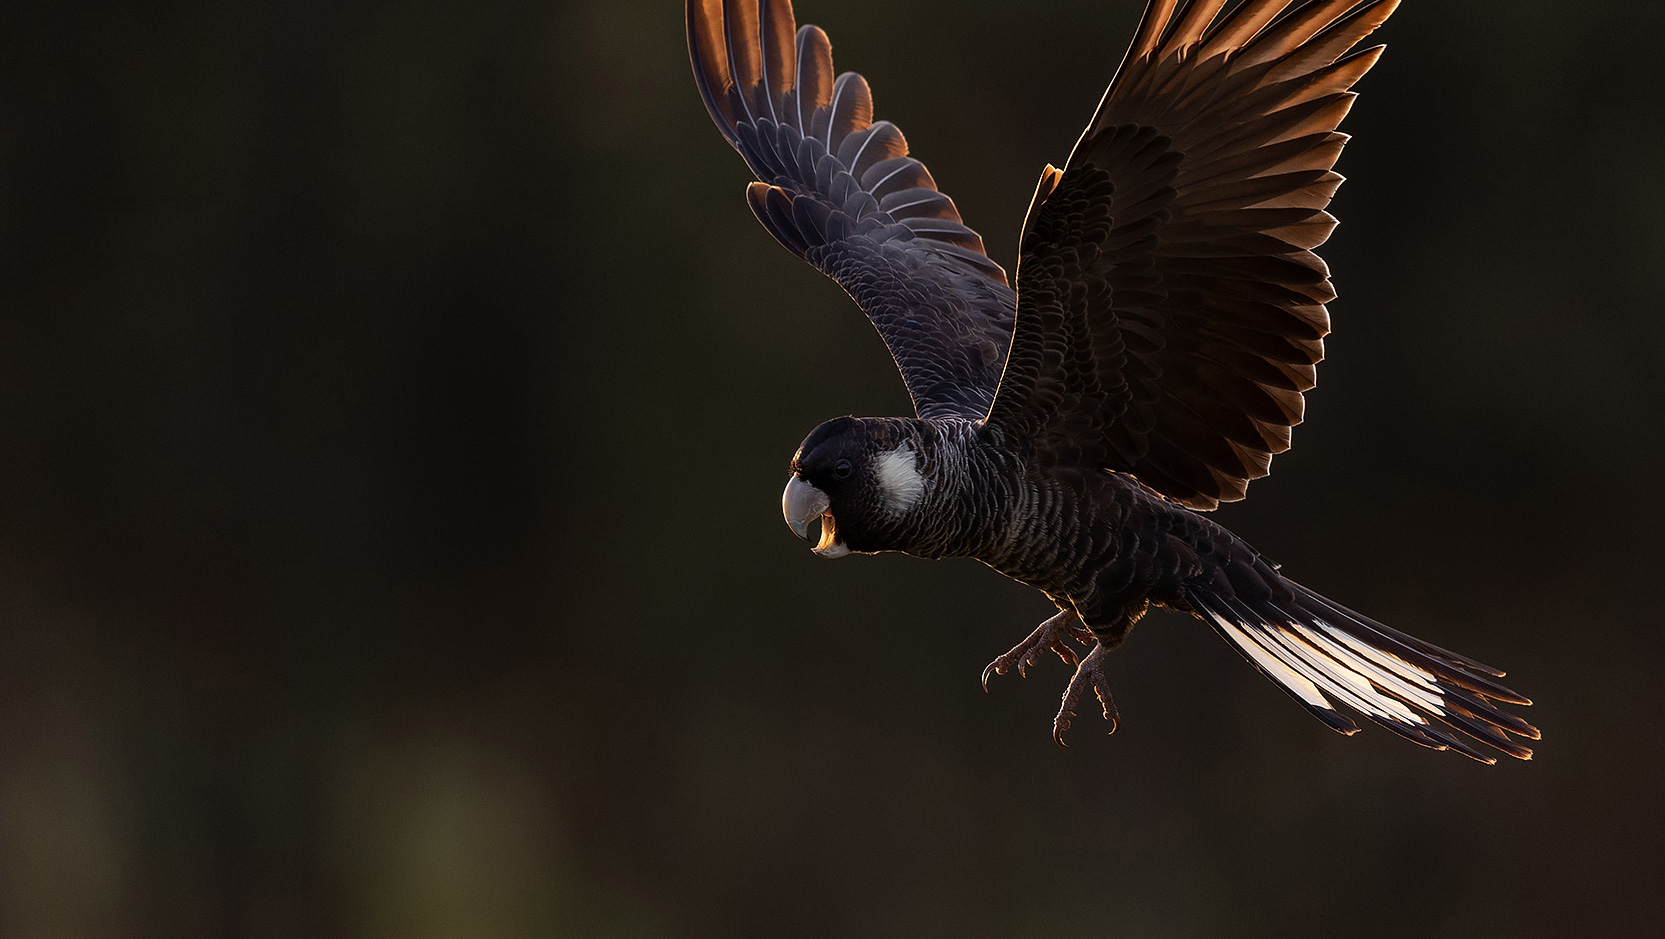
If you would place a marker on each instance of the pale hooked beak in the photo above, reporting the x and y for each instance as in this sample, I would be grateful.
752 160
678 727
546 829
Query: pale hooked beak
802 504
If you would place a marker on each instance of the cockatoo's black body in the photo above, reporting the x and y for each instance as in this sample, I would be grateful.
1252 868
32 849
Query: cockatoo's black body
1168 316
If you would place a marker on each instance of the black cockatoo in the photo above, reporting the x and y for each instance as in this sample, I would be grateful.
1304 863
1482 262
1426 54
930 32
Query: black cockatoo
1167 316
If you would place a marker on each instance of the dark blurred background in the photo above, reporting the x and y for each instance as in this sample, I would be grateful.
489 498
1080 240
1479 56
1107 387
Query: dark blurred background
395 399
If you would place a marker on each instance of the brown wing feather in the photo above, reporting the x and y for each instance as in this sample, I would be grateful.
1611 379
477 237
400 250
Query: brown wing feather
1171 310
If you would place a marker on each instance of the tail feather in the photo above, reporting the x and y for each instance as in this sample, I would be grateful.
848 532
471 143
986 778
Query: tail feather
1406 639
1324 654
1275 668
1421 656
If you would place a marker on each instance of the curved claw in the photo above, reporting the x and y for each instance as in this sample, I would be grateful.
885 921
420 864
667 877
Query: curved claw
987 671
1059 725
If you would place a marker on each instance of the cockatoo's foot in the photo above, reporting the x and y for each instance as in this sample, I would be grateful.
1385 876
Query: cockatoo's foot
1089 673
1049 635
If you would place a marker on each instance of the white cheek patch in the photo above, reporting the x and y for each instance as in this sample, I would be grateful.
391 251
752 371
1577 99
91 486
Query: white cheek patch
899 479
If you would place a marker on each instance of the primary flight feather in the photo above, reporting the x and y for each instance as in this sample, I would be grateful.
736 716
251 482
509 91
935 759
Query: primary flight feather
1168 315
